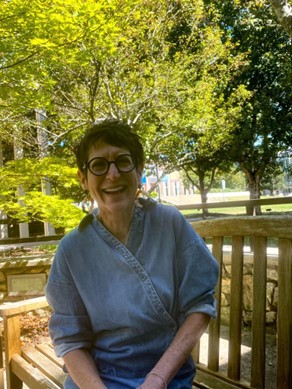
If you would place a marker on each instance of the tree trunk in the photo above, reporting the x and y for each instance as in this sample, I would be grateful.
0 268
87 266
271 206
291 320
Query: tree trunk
3 227
255 194
18 154
42 138
204 200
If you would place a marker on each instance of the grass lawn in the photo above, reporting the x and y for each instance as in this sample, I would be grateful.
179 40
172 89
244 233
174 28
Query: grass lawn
266 210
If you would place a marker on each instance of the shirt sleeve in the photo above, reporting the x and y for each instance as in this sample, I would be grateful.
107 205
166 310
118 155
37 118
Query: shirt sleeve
197 273
69 325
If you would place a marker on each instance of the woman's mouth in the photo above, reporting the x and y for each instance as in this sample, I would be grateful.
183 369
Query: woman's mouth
117 189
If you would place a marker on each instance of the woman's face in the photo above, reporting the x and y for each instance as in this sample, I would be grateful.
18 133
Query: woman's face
113 191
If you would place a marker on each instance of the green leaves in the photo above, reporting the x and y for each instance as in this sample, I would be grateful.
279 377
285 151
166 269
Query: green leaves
60 209
197 80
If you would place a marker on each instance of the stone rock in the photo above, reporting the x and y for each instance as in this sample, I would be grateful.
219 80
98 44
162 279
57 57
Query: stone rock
272 275
271 317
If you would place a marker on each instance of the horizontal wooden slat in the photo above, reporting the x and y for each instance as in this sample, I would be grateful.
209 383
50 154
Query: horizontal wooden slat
217 380
49 352
45 365
32 377
270 226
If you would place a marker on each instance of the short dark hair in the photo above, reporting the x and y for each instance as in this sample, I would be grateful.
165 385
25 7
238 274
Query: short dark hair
115 133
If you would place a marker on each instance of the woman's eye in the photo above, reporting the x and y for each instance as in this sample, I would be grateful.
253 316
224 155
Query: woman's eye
124 161
98 165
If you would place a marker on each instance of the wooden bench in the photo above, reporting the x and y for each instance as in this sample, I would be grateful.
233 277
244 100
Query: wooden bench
35 366
259 228
38 367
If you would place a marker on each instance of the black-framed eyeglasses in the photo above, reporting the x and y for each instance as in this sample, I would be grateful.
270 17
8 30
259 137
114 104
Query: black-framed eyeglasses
100 166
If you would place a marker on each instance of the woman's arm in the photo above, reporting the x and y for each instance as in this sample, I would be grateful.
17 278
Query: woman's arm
82 370
177 353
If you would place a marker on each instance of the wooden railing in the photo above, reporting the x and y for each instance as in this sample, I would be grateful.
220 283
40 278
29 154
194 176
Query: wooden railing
238 203
259 229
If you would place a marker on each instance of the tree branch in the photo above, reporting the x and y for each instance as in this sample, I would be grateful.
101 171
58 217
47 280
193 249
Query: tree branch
283 11
19 62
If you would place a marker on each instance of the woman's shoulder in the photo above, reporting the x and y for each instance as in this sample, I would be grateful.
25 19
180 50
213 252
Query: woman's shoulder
86 221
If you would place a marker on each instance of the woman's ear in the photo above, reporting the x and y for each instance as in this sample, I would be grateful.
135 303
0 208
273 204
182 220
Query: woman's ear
83 180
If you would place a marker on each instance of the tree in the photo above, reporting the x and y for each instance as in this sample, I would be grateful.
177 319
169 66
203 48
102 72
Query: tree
192 118
172 69
52 55
43 44
264 128
78 61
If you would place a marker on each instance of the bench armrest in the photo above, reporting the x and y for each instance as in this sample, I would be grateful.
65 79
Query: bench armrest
15 308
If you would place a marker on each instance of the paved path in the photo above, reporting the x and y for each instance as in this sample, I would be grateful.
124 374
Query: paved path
4 247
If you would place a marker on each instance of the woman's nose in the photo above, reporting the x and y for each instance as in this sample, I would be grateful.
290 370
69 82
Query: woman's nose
113 171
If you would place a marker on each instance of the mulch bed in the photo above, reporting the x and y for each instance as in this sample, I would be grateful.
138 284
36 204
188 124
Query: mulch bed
22 251
34 327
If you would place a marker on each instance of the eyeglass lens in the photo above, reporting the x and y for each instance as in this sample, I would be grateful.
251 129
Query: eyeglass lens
99 166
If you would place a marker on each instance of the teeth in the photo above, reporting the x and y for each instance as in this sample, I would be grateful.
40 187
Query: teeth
113 189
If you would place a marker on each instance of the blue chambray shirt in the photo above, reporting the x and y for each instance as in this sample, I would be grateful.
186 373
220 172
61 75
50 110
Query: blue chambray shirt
125 303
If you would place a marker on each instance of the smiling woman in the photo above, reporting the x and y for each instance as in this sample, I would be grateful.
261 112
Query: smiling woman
132 287
112 173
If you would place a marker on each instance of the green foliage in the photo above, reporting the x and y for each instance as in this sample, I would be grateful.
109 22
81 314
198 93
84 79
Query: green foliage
28 173
30 203
36 206
204 83
195 120
264 128
58 212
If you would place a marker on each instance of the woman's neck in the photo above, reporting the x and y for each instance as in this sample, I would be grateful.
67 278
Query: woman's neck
118 224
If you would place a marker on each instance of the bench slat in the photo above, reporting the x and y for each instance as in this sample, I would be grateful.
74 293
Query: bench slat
284 372
217 381
259 313
45 365
273 226
214 327
235 308
49 352
32 377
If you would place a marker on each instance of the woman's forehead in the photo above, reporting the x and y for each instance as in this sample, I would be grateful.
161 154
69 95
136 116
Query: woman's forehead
104 149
